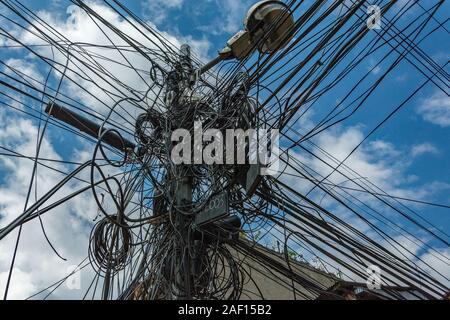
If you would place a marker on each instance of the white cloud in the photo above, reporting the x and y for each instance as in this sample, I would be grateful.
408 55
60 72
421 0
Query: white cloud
423 148
66 226
230 17
379 163
77 27
158 10
26 285
23 67
429 260
374 161
436 109
373 67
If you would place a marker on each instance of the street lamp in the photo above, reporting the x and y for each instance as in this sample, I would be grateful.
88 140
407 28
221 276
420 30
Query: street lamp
266 28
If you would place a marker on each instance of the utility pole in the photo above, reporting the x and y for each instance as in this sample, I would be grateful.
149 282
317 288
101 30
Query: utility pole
182 182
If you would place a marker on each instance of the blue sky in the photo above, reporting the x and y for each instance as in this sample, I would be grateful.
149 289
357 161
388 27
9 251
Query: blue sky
408 155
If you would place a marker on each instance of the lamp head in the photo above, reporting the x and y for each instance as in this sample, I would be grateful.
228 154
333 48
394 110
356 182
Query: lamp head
267 27
269 23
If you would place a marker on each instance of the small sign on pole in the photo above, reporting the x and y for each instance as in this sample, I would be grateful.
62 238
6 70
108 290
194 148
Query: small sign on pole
216 208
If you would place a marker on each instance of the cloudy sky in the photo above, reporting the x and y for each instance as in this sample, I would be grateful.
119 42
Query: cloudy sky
408 157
